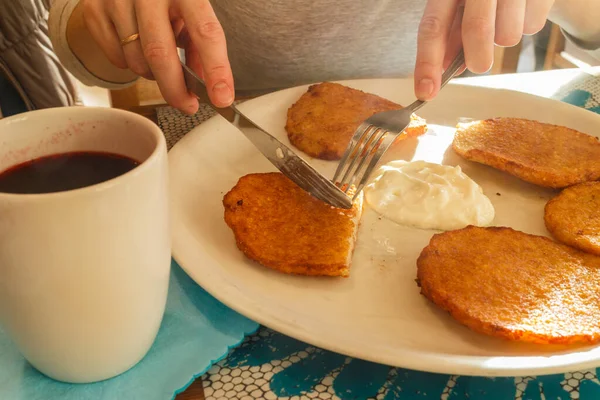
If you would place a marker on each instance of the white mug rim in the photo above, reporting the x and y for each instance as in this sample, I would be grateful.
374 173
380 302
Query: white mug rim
98 187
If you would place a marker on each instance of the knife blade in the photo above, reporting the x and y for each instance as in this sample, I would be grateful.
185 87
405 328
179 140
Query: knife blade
281 156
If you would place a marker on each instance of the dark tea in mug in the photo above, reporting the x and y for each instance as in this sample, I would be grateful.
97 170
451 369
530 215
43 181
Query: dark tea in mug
66 171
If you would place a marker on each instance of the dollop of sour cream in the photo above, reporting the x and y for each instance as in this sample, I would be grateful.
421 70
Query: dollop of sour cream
428 196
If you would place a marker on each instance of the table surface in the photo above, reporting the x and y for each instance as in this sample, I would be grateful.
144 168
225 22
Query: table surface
543 83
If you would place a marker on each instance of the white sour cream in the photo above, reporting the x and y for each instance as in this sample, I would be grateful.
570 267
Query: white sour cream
428 196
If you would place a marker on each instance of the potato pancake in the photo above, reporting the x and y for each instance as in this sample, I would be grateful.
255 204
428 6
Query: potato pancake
279 225
573 217
322 122
513 285
546 155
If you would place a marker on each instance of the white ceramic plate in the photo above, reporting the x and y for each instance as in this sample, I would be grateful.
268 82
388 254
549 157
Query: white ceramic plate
377 314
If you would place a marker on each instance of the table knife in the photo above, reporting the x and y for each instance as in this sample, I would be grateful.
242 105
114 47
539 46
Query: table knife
281 156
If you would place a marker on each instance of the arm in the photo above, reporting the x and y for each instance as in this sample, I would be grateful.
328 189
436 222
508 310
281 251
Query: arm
579 20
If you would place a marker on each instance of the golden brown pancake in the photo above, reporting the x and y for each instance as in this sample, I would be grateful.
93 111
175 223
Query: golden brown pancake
282 227
573 217
322 122
509 284
543 154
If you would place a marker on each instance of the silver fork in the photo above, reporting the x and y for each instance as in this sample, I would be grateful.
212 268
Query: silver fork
375 135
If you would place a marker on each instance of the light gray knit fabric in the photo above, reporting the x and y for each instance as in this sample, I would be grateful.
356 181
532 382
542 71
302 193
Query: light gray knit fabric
281 43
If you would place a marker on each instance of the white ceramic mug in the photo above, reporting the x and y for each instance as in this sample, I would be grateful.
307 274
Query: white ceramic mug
84 273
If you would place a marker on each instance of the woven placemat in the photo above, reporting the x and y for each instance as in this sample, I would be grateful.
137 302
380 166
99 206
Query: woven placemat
176 124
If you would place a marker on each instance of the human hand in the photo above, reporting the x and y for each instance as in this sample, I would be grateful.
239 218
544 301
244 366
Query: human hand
476 25
162 26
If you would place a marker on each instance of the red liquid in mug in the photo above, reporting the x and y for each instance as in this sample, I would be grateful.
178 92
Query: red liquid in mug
66 171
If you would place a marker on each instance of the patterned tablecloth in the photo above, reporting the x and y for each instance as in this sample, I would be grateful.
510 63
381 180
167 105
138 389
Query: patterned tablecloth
269 365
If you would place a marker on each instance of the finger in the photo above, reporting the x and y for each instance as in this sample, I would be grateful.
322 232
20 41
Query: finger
510 17
431 46
192 56
178 26
208 37
536 13
454 39
478 29
124 20
192 60
103 32
160 51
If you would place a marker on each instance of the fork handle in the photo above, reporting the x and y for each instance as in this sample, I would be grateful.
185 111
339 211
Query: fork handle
448 74
454 66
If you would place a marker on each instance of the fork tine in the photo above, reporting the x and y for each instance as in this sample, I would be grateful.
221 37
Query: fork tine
358 134
366 140
385 144
319 188
378 136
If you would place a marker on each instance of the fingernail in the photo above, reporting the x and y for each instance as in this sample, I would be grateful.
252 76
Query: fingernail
192 108
223 94
425 88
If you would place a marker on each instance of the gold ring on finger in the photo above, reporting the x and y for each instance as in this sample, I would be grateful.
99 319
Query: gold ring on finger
130 39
